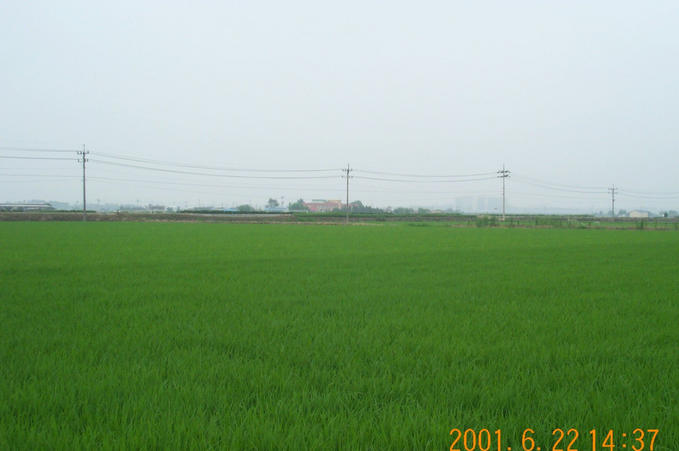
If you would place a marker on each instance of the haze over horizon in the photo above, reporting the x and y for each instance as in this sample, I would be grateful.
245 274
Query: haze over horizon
572 98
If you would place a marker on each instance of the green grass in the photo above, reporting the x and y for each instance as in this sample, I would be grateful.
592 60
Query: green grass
128 336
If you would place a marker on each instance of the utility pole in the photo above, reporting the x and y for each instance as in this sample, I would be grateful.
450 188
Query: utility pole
83 158
347 171
613 190
503 174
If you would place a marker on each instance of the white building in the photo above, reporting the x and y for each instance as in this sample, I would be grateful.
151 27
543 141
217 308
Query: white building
638 214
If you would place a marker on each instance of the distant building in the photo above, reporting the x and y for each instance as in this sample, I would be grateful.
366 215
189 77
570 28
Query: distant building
465 204
26 207
639 214
279 209
488 204
494 204
323 206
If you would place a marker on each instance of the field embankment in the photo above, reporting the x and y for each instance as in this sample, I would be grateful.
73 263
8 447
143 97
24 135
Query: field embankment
454 220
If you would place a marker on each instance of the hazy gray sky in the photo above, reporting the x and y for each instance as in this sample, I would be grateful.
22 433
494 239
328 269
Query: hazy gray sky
578 93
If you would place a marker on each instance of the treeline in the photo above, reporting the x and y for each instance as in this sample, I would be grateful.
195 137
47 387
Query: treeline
359 207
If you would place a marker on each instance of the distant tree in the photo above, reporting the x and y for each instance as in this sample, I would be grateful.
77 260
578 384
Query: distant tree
298 206
245 208
423 211
622 212
403 211
272 203
358 207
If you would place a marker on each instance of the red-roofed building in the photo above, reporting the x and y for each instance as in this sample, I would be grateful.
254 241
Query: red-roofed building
323 206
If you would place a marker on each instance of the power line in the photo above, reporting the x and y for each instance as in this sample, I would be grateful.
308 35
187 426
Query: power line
14 157
162 166
424 175
213 168
173 189
641 196
560 185
40 175
422 181
357 189
367 186
558 196
161 182
40 180
176 171
556 188
648 193
31 149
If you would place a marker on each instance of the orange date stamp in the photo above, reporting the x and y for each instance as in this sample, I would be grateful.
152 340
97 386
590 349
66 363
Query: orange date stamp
562 439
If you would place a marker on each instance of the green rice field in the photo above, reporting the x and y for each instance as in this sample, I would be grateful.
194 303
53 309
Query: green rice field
376 336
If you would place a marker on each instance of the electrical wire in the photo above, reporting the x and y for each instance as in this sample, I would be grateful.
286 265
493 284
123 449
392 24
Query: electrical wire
397 174
560 185
358 189
421 181
193 166
396 177
648 193
161 182
13 157
556 188
41 175
40 180
28 149
637 196
176 171
559 196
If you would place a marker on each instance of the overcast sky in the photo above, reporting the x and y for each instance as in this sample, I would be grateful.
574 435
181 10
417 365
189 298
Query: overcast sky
580 94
